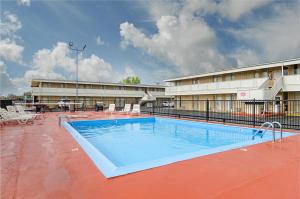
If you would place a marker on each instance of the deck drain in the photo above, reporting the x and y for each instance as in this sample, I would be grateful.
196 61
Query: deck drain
243 149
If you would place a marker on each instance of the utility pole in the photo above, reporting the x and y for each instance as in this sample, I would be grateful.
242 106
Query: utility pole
77 52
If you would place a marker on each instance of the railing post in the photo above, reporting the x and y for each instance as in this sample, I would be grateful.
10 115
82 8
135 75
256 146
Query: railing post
254 113
207 110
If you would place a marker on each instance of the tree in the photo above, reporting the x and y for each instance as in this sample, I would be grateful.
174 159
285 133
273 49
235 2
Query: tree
131 80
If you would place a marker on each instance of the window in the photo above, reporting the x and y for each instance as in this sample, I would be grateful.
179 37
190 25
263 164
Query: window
265 74
228 77
232 77
215 79
285 70
296 70
195 102
195 81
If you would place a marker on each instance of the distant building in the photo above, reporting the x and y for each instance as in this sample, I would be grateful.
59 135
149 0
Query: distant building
272 81
53 91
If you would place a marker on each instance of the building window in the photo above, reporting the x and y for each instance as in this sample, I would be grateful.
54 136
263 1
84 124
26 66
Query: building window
195 102
296 70
285 71
195 81
215 79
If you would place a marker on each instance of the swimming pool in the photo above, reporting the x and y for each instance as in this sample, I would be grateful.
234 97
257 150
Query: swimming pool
123 146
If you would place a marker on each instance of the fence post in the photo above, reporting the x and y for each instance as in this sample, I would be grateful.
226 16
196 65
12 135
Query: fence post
254 113
152 108
207 110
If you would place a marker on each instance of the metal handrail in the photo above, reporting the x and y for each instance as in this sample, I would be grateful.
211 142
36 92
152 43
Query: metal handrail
260 128
280 126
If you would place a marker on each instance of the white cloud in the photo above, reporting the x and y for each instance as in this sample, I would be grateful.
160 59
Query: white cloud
99 41
234 9
161 8
275 38
244 57
230 9
9 49
7 85
24 2
183 41
58 63
95 69
9 24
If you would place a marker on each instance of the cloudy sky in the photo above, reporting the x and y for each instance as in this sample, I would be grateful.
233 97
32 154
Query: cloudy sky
155 40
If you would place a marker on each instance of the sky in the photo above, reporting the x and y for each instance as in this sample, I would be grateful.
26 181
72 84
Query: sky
154 40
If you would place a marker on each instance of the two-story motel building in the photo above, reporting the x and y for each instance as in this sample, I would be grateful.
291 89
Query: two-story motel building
278 80
52 91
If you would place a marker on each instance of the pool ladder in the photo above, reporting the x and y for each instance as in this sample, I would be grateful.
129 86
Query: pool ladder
268 125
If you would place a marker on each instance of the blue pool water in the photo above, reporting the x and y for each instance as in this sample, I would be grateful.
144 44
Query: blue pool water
123 146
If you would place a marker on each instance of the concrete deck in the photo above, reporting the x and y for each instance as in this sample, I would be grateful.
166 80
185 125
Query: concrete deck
42 160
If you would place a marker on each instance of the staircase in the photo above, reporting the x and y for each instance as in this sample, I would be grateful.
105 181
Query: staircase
148 97
278 85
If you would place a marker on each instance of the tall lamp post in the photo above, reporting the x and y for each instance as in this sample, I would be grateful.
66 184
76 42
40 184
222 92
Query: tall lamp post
77 52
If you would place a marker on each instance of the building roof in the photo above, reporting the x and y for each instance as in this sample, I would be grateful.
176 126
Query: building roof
241 69
34 82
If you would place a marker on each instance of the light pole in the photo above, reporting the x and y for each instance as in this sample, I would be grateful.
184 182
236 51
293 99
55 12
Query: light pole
77 51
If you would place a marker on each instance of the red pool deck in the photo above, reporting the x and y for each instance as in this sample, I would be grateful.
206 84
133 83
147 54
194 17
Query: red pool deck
42 160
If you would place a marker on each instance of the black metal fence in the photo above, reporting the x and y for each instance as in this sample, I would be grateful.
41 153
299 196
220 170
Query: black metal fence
248 112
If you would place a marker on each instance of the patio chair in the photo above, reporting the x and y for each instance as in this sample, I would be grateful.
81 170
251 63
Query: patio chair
136 109
21 111
11 110
126 109
111 108
10 116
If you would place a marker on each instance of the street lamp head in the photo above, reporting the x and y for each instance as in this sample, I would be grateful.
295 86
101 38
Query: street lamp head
70 44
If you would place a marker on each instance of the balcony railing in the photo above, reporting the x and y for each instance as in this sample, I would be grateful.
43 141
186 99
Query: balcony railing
291 83
216 87
90 92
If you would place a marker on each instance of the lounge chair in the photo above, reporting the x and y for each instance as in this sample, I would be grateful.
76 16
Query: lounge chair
111 108
21 110
11 110
136 109
126 109
11 116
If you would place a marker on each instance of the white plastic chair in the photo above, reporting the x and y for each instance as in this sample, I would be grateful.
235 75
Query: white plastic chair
136 109
8 116
111 108
126 109
21 111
